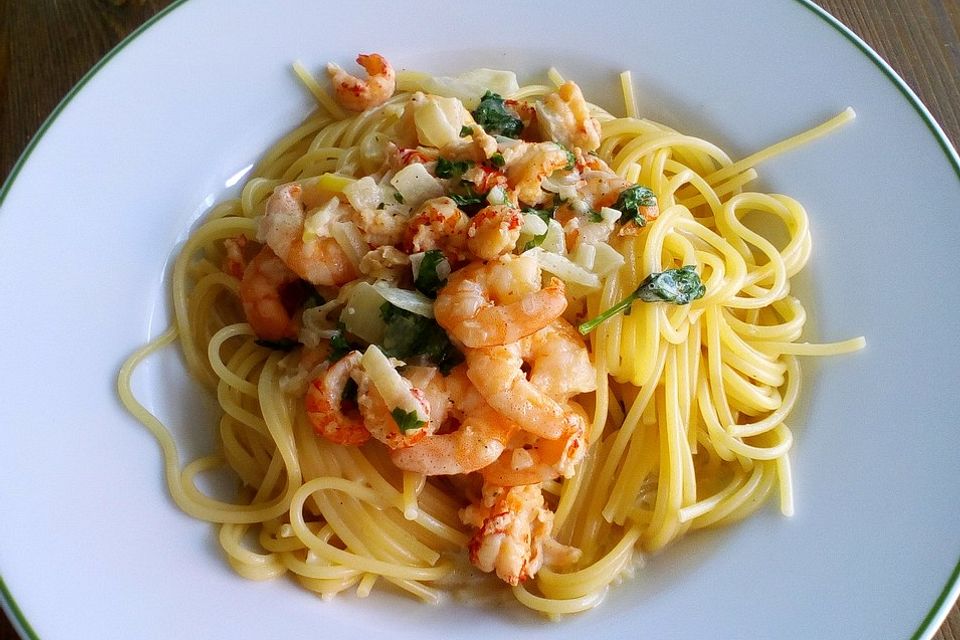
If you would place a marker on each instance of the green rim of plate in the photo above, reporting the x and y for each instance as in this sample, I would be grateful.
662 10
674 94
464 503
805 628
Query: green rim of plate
943 602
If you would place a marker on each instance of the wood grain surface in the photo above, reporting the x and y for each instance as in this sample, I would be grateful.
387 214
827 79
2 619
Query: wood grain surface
47 45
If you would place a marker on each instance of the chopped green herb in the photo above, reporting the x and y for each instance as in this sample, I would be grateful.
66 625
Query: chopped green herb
408 334
497 160
283 344
407 420
465 131
467 199
428 280
534 242
451 168
594 216
638 204
678 286
381 205
496 119
398 197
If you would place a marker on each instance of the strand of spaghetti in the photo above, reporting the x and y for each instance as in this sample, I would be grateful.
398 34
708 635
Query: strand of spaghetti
779 414
226 375
789 144
364 563
249 564
629 97
810 349
323 98
593 578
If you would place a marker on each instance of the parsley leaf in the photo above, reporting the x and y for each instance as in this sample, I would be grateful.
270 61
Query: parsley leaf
468 199
492 114
451 168
428 280
679 286
407 420
638 204
497 160
408 334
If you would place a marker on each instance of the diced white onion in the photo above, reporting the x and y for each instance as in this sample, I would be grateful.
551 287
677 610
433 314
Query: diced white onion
555 242
361 314
350 240
394 390
609 215
497 195
364 193
565 269
416 185
533 225
607 259
318 224
412 301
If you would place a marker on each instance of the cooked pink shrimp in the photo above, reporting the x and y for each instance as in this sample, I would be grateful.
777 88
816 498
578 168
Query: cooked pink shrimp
357 95
270 293
536 403
438 224
498 302
543 459
494 231
324 404
321 260
565 118
527 164
479 440
513 534
428 389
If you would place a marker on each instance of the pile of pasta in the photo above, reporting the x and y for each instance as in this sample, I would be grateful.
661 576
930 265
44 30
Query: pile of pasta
688 428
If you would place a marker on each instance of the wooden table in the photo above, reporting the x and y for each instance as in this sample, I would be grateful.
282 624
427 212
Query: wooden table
46 46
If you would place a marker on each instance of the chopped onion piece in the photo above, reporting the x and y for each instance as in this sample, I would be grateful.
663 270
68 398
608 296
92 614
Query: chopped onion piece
395 391
416 185
412 301
364 193
564 268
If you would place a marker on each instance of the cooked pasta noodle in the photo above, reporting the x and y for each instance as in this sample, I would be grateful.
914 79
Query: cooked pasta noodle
687 429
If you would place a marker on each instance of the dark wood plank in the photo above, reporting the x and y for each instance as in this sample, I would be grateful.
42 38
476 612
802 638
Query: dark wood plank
46 46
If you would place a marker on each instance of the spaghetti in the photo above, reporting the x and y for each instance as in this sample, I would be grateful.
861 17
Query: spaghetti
685 419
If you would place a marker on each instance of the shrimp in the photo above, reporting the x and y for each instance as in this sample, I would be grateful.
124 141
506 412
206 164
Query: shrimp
428 391
543 459
320 260
559 368
355 94
513 534
479 440
527 164
239 251
494 231
438 224
270 294
324 404
565 117
484 305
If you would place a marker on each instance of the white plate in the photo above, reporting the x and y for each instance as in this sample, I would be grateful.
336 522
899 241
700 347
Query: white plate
90 544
